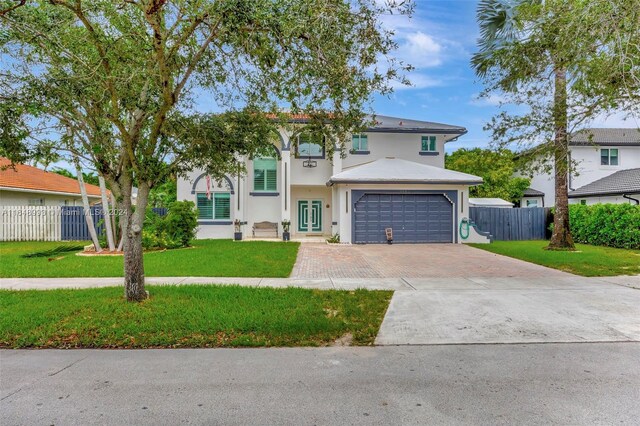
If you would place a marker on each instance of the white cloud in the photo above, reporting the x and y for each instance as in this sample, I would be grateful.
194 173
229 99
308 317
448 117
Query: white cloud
421 50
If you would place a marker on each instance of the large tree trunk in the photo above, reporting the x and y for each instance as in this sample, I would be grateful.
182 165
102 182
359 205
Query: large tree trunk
561 238
132 223
106 214
87 208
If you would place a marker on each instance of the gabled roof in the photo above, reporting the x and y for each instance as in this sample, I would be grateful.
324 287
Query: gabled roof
606 137
27 178
488 202
530 192
618 183
395 170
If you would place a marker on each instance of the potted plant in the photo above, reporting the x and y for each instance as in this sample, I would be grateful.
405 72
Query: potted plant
237 235
286 224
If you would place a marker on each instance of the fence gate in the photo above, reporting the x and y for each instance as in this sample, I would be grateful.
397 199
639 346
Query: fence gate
512 224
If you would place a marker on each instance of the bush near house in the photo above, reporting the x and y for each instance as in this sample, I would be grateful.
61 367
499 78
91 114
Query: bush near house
612 225
175 229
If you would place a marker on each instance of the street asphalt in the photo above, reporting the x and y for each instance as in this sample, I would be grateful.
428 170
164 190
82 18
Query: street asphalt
565 384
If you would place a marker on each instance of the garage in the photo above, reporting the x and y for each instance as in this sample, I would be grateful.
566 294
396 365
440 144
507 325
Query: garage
414 218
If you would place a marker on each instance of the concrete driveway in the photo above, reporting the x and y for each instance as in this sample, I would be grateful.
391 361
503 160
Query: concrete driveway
317 260
513 310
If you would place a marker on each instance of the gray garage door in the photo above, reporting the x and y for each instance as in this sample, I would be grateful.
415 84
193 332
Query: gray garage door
414 218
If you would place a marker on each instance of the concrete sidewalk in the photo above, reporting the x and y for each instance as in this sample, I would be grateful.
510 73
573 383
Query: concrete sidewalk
409 284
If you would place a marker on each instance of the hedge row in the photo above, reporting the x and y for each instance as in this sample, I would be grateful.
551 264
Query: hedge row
612 225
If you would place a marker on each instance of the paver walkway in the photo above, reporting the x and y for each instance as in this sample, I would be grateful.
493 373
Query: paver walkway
410 261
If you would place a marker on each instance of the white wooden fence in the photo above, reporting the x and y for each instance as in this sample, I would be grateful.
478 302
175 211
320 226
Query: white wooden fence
30 223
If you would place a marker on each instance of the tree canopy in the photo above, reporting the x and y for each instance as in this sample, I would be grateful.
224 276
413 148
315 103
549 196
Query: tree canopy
497 169
562 63
122 83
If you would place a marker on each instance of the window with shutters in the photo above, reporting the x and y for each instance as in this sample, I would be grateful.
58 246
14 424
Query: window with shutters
217 206
265 174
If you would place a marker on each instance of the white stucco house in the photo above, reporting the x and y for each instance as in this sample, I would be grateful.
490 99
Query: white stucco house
607 156
393 176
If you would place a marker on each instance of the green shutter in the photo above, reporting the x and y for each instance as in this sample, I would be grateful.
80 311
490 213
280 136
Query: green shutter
271 180
222 205
265 174
364 143
205 207
258 179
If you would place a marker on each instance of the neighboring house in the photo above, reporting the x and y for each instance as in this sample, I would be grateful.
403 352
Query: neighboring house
23 185
532 198
393 176
490 202
598 153
620 187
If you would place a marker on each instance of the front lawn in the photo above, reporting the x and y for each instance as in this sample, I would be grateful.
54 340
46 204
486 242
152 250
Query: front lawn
588 261
189 316
207 258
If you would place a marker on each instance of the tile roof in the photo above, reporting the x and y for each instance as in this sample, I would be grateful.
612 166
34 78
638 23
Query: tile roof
396 170
26 177
530 192
620 182
606 137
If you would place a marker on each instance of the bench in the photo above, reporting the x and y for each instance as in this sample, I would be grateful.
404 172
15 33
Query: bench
265 227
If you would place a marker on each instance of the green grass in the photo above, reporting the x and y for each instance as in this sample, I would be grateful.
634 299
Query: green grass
588 261
208 258
189 316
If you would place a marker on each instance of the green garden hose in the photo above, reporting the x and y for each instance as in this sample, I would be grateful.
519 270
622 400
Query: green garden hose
464 228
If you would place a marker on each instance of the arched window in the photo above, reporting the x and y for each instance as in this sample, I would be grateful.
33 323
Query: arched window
265 174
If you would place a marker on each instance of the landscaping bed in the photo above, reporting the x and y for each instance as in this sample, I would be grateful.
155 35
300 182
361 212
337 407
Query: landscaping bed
207 258
191 317
587 260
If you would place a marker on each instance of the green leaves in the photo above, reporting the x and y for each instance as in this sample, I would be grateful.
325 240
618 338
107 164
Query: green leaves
496 169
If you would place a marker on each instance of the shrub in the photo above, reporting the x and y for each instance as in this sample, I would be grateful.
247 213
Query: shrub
613 225
180 222
176 229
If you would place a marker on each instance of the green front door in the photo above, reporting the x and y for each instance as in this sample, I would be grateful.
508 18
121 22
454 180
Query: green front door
309 215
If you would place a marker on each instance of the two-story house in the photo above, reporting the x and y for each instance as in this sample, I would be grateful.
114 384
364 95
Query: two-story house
393 176
607 170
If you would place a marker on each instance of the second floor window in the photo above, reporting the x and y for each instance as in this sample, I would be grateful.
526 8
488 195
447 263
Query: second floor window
265 174
428 144
310 146
609 157
359 143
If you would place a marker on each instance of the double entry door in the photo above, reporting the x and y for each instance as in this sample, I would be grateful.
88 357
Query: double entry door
309 215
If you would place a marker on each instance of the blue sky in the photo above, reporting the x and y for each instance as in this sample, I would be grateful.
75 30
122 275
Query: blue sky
439 40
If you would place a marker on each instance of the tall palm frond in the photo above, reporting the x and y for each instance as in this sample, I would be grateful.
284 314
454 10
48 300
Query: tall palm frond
498 25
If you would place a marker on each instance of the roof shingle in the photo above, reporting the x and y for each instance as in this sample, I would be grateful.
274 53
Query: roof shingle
26 177
606 137
620 182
